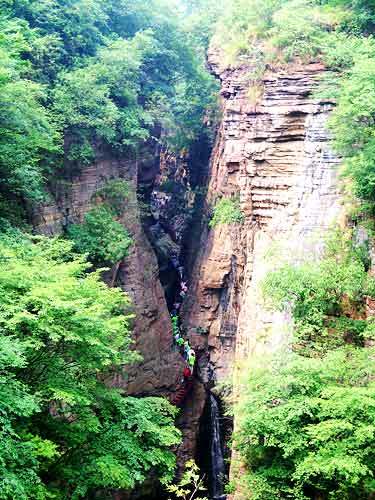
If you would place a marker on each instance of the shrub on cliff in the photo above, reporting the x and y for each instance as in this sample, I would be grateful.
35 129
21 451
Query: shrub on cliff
101 237
307 424
115 194
227 211
308 427
63 432
325 297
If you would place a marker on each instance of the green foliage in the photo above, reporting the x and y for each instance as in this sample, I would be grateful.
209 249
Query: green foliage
201 19
101 99
325 297
115 195
227 211
27 134
92 75
299 27
190 485
353 126
194 98
308 425
101 237
64 434
277 29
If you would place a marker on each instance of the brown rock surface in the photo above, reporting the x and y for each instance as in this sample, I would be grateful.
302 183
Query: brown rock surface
137 274
275 156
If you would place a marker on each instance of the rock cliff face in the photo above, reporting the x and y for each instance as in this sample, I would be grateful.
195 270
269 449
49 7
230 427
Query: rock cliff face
159 371
274 155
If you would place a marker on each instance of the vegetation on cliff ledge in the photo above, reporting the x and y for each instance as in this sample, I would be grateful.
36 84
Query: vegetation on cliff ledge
308 427
226 211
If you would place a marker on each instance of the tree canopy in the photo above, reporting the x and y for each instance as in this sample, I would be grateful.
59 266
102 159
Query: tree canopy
78 74
64 432
308 427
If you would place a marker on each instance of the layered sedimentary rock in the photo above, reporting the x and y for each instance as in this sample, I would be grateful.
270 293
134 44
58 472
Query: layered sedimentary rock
138 274
274 155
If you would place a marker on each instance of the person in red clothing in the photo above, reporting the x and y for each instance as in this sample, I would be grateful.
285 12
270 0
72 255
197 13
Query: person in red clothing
187 372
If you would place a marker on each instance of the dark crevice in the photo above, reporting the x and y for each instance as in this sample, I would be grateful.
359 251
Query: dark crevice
176 253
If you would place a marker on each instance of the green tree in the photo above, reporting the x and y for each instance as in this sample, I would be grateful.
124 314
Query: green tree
64 433
100 236
226 211
353 124
107 74
308 426
190 485
28 136
326 296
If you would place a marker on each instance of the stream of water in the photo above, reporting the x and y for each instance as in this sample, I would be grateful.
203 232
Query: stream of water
217 456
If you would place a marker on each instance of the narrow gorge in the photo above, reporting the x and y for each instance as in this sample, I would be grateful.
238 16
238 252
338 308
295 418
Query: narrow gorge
276 157
226 159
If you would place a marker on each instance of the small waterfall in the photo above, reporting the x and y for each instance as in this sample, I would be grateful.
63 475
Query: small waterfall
216 451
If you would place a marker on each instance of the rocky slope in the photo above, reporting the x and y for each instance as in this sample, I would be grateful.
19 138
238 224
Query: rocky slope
159 371
275 156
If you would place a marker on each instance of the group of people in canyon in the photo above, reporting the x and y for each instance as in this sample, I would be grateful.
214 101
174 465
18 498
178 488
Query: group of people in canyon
184 346
186 350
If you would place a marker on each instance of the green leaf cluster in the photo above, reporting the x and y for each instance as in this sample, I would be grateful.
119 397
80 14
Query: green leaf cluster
101 237
64 433
190 485
326 297
276 31
353 126
28 136
308 427
115 195
307 421
227 211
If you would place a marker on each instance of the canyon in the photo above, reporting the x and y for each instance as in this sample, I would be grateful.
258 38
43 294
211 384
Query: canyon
273 153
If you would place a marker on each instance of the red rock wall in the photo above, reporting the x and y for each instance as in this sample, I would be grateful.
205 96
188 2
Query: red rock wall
275 156
159 371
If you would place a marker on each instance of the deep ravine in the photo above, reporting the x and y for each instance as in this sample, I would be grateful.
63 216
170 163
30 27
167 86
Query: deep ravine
275 156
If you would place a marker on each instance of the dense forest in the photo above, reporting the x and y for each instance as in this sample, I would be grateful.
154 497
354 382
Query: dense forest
77 76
